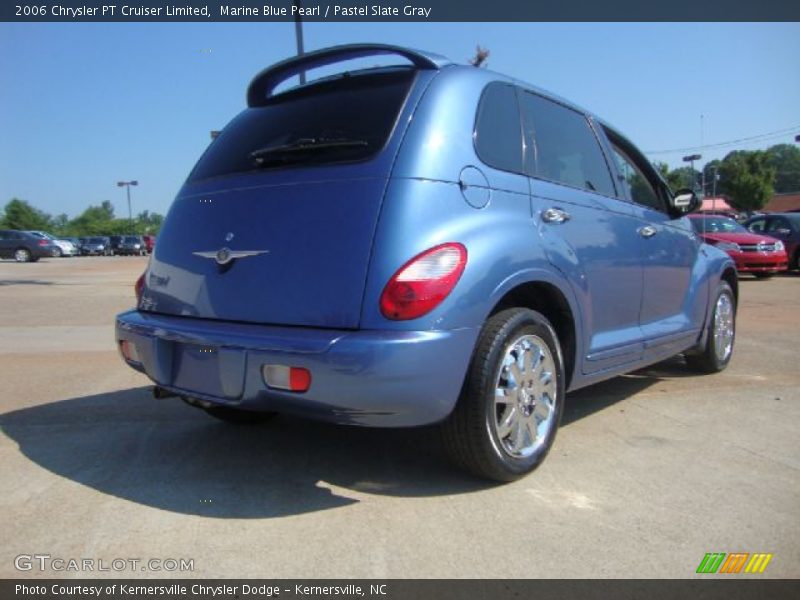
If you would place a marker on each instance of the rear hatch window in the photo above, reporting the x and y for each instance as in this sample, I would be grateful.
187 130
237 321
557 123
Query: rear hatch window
347 118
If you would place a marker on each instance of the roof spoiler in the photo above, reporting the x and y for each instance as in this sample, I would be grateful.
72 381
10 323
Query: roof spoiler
264 84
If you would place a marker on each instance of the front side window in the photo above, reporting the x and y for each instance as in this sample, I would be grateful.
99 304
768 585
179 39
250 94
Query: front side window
498 138
561 146
639 189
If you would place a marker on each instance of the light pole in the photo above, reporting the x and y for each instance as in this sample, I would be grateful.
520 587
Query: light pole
127 185
298 32
690 159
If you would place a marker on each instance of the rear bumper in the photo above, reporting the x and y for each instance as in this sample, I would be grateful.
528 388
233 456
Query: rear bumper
372 378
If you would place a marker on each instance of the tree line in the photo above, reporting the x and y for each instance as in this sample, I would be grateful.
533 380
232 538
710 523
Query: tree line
748 179
95 220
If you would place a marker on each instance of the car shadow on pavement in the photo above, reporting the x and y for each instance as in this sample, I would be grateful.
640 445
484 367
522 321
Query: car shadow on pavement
165 454
599 396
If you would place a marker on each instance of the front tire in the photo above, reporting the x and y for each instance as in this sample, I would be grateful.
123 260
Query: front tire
721 334
510 406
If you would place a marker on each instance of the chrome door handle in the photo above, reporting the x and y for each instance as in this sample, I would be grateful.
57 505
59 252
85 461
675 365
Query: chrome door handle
555 215
647 231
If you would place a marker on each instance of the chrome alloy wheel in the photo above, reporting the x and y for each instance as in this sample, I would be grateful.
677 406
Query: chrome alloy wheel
22 255
723 327
525 396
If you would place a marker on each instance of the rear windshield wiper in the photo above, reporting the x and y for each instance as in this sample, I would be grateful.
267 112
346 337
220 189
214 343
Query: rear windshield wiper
305 145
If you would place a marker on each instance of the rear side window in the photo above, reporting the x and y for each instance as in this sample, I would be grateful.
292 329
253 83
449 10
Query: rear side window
345 119
498 137
561 146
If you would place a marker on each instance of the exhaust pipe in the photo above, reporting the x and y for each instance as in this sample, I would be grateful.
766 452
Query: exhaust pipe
160 393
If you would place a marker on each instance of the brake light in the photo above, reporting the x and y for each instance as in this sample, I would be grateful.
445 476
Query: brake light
424 282
139 287
44 243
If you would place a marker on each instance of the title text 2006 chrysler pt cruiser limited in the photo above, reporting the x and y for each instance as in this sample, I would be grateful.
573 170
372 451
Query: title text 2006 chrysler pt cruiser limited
423 243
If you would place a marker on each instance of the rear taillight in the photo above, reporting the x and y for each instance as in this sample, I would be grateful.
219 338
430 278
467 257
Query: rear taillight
422 283
139 287
44 243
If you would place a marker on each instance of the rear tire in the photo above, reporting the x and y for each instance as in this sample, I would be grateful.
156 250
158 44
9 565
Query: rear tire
23 255
506 418
721 334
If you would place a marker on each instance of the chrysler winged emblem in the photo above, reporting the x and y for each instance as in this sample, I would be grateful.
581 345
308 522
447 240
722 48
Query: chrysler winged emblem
223 256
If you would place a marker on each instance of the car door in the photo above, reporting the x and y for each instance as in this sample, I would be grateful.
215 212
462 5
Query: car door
673 297
588 234
5 244
779 228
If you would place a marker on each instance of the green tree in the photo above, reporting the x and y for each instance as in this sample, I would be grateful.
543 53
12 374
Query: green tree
674 179
21 215
785 159
711 170
747 179
59 225
681 177
95 220
147 222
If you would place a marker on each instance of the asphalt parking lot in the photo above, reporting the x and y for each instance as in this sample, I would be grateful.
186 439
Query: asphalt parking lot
649 472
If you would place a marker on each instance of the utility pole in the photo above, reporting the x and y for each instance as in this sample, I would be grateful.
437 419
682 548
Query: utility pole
298 32
127 185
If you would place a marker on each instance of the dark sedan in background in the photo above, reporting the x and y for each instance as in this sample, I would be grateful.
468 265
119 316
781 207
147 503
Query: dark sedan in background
26 247
131 244
98 245
783 226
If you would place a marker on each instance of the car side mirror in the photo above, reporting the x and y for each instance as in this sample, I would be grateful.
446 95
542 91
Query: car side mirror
685 201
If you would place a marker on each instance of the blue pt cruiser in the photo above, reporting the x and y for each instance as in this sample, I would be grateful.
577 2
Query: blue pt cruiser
421 243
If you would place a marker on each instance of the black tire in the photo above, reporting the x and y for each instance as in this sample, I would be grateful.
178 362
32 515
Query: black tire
58 252
471 434
711 359
238 416
764 275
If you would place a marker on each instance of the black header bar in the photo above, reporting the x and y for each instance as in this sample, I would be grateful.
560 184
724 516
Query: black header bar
205 11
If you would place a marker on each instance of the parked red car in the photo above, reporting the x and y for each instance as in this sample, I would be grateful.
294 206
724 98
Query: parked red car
759 254
149 242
